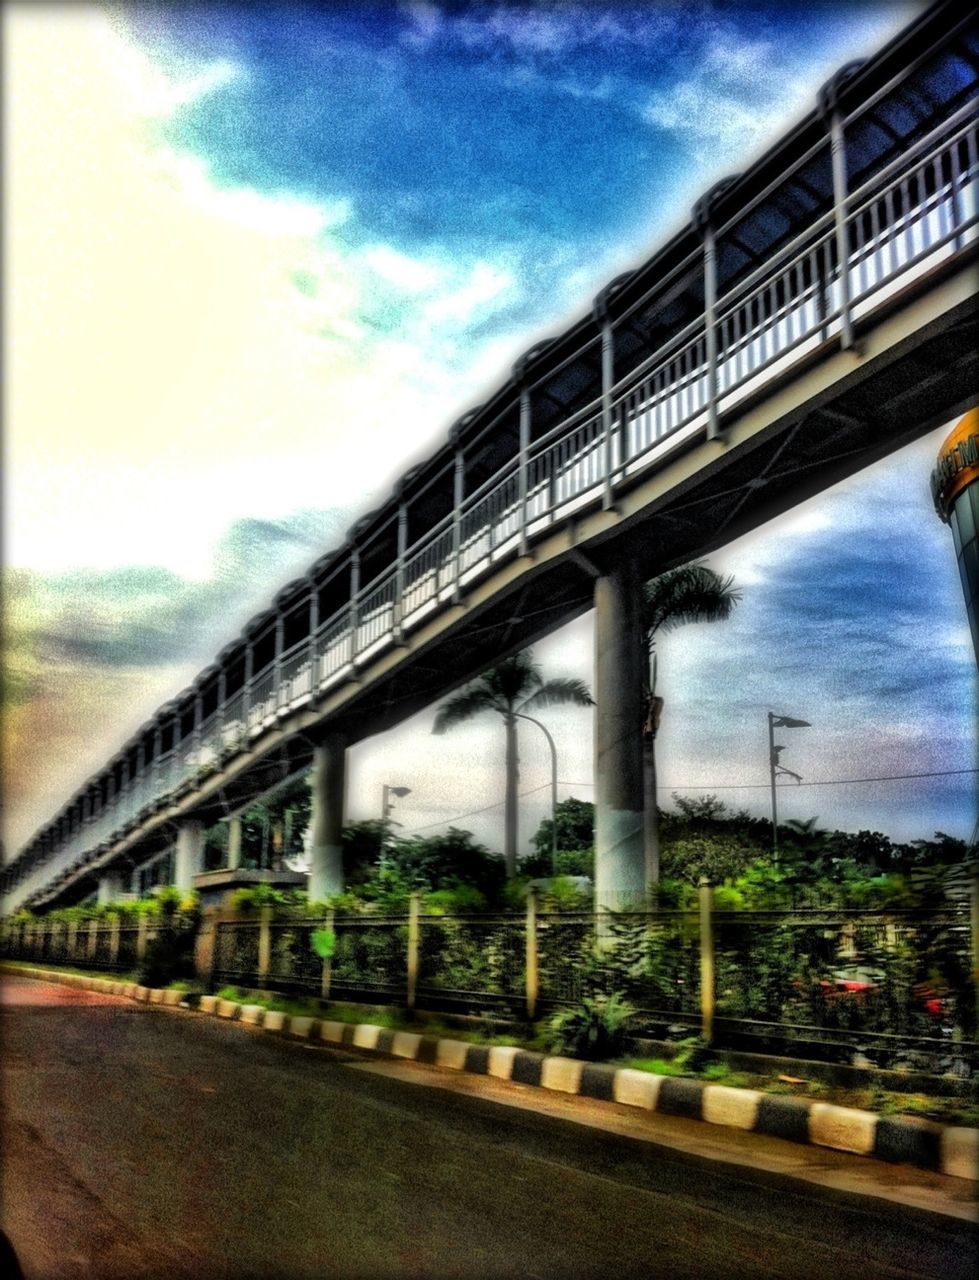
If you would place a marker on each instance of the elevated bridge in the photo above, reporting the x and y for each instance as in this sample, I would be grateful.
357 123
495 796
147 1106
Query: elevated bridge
817 313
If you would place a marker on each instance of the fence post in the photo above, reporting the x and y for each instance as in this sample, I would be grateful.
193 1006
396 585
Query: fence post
141 938
531 954
72 938
706 960
93 937
327 978
974 930
413 907
264 945
113 940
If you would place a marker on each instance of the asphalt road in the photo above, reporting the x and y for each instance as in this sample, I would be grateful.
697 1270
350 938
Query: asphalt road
141 1142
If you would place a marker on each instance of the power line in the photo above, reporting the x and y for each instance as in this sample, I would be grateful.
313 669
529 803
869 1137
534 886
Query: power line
823 782
473 812
701 786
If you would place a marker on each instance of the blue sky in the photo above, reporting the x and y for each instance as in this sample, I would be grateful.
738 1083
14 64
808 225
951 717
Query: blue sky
259 257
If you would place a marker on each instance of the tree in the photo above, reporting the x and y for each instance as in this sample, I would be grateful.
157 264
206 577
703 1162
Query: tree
575 827
691 593
512 688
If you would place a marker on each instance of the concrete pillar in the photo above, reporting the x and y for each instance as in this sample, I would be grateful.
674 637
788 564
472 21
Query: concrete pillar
110 887
190 853
328 784
234 843
619 853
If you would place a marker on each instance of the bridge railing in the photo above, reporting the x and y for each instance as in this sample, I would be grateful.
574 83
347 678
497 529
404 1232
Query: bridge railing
918 211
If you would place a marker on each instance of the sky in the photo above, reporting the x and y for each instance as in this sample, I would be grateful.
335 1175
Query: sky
259 258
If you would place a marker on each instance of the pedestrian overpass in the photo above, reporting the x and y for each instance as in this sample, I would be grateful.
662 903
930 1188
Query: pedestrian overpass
816 313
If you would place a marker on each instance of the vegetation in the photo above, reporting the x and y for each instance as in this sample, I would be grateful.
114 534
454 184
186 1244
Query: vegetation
510 690
595 1030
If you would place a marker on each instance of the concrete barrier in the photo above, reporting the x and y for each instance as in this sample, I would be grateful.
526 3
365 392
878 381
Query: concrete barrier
562 1074
843 1128
736 1108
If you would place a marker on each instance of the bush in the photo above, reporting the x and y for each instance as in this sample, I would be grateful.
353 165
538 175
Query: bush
595 1030
169 955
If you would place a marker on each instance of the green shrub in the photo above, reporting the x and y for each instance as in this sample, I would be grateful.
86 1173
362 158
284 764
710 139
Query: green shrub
595 1030
169 955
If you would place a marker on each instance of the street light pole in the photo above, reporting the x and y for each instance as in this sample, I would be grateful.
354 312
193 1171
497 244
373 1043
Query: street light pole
550 742
771 764
781 722
386 807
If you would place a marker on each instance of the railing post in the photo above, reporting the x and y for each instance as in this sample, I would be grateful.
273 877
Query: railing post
330 925
710 330
314 623
827 101
114 939
354 603
264 944
280 632
702 218
197 735
246 688
414 904
838 153
974 933
141 937
458 497
399 572
608 382
93 938
706 960
531 956
523 464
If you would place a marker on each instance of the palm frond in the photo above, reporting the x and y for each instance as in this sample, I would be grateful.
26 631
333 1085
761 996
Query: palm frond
513 678
559 692
692 593
462 706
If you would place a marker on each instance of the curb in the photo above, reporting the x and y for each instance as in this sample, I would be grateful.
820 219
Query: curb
947 1149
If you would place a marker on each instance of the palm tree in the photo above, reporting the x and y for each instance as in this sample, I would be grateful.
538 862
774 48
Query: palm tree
691 593
511 689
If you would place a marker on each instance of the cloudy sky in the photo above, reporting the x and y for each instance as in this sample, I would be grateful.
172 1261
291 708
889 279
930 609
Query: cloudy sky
259 257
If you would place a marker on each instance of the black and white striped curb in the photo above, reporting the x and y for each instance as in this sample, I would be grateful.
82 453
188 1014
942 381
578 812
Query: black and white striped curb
947 1149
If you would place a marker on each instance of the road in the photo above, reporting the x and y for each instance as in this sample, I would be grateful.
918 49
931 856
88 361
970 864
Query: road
142 1142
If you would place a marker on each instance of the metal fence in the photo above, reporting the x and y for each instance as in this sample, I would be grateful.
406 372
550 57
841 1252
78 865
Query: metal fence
896 985
110 944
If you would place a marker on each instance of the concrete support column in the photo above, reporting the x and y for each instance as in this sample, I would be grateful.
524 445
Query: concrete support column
234 843
619 854
110 887
328 784
190 854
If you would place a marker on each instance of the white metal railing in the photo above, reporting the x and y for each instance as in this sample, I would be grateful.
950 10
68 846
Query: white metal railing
901 222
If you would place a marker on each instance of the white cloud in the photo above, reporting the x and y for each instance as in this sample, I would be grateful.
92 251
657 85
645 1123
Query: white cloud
176 337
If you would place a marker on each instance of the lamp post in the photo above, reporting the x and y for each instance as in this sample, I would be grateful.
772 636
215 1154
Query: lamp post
774 750
386 805
550 742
